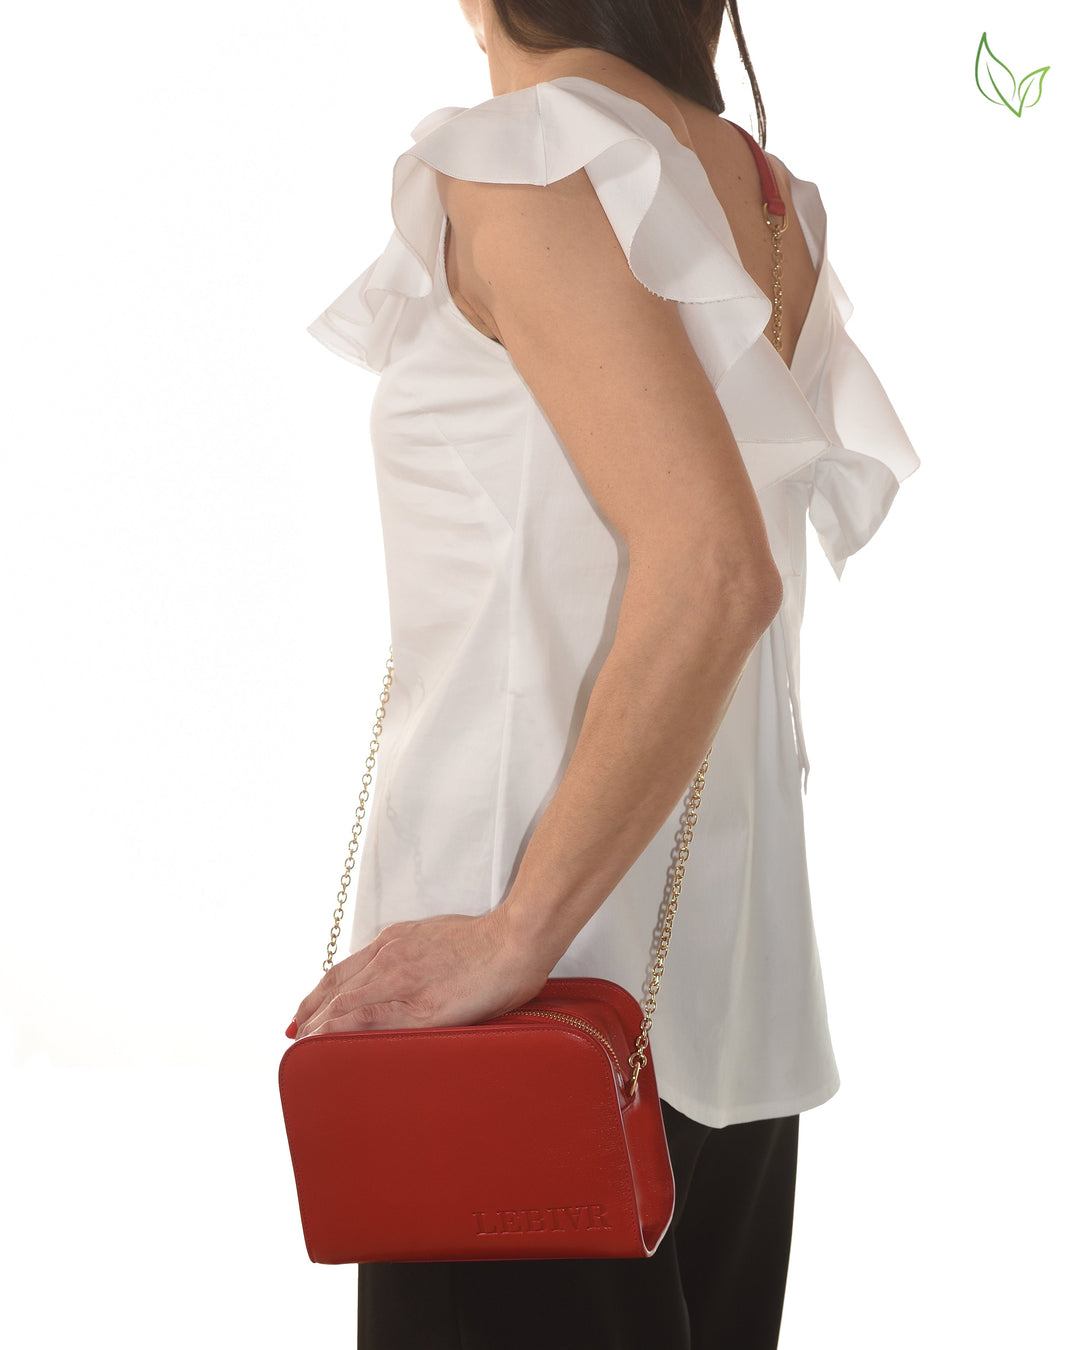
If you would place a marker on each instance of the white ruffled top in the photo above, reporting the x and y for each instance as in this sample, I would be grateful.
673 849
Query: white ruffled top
505 579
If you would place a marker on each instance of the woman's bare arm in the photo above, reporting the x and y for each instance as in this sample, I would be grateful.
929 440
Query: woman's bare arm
616 374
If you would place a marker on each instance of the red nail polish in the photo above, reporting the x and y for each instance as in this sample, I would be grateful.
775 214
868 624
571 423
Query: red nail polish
290 1030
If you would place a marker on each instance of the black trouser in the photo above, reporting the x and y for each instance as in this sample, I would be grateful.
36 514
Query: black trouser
716 1282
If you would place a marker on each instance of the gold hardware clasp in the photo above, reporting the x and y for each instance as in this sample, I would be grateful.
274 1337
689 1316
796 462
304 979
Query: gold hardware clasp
771 225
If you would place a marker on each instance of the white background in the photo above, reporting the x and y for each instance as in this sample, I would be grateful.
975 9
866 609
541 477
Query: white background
194 626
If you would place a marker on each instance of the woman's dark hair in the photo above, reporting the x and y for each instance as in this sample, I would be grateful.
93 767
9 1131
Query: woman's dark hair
674 41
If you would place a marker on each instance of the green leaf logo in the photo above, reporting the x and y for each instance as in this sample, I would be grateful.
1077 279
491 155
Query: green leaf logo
997 82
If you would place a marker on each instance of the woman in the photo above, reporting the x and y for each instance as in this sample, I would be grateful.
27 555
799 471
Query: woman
597 437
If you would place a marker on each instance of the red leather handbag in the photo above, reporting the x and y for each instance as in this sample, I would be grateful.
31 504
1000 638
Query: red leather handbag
537 1134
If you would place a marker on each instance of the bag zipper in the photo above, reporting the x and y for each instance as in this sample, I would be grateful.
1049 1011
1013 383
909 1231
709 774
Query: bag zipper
572 1021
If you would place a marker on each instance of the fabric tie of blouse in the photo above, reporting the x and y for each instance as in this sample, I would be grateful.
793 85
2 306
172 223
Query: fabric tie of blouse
820 438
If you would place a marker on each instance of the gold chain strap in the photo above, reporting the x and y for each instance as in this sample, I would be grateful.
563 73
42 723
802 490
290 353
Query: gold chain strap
778 303
638 1059
361 811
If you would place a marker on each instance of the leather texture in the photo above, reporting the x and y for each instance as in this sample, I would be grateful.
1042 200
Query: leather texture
514 1139
769 191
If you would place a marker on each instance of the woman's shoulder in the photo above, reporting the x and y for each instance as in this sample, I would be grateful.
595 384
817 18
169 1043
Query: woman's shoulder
638 161
544 131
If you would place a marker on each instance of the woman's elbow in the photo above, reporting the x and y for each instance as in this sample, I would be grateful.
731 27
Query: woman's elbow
764 593
749 591
701 583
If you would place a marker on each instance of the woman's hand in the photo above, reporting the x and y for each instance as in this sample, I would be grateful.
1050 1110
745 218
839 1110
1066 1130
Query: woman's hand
450 970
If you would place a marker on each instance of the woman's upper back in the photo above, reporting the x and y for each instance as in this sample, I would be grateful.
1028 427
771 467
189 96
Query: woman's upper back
729 165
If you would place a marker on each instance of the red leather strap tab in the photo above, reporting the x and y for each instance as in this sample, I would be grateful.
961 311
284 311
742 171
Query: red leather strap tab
770 193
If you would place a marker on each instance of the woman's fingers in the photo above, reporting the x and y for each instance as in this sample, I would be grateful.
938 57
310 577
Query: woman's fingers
393 994
404 950
359 1017
335 978
361 1006
443 971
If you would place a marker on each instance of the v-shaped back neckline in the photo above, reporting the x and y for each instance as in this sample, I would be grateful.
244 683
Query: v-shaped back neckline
769 189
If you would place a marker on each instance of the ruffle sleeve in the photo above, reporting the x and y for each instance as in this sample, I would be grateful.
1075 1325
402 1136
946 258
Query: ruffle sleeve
852 483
